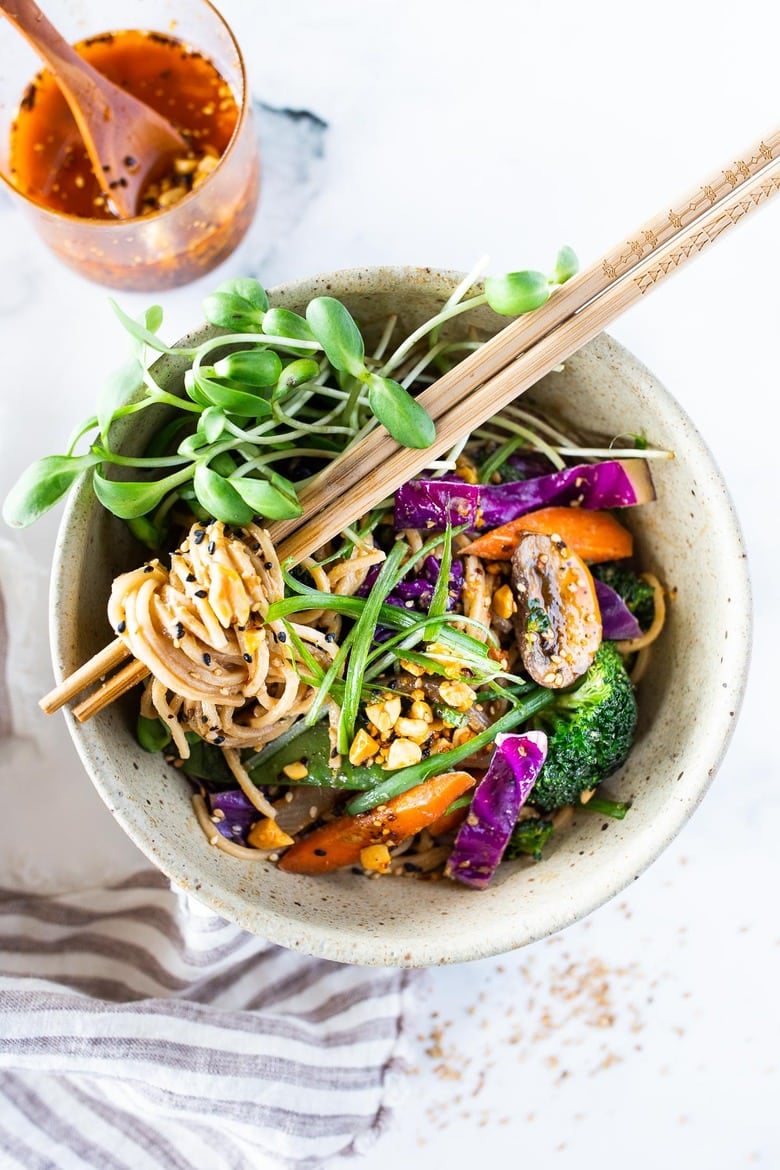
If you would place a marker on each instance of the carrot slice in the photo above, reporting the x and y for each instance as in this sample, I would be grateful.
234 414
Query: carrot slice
593 535
339 843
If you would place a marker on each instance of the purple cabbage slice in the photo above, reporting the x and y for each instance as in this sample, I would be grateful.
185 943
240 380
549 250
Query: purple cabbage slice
617 620
416 592
434 503
240 814
484 835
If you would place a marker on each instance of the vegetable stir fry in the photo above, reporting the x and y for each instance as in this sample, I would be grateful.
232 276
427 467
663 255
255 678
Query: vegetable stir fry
429 694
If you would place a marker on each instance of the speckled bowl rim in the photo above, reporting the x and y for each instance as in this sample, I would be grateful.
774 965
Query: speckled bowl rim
600 884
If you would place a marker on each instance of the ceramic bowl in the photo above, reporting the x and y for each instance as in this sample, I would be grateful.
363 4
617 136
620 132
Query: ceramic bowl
688 699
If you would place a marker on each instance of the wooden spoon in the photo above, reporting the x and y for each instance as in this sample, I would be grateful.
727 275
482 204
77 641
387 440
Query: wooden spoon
129 144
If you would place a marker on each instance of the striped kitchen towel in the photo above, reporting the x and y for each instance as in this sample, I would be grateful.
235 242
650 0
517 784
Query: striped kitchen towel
140 1032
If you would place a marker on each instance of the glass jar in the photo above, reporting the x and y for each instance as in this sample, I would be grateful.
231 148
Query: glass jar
164 248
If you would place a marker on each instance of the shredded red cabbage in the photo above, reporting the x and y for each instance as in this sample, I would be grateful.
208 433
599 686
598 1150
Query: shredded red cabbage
617 620
435 503
482 838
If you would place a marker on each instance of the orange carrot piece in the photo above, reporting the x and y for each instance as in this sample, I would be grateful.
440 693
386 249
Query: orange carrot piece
593 535
448 822
339 843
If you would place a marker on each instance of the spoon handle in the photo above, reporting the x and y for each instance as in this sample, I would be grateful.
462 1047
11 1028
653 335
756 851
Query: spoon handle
77 79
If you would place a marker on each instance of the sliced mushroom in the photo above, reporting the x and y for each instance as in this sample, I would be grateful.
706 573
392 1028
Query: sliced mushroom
558 623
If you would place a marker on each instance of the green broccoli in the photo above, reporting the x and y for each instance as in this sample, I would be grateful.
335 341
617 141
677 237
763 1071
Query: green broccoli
638 595
528 839
590 729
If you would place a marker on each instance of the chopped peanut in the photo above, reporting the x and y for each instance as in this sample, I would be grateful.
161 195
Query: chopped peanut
421 710
461 736
412 668
586 794
383 715
363 748
416 729
503 602
402 753
375 857
466 470
458 695
266 834
297 771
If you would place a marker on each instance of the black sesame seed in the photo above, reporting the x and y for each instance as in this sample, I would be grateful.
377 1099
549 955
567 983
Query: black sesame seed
130 161
148 568
212 546
191 577
247 658
268 565
179 630
219 739
204 718
201 593
320 853
256 546
282 636
330 637
199 537
121 627
334 753
207 659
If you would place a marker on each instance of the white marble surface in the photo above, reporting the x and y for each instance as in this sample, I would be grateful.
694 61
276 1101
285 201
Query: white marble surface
648 1033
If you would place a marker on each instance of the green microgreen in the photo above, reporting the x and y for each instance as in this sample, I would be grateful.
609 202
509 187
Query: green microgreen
267 388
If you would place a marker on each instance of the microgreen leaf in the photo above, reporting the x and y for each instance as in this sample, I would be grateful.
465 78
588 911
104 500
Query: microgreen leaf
407 421
131 498
516 292
220 499
238 402
283 323
237 304
141 332
335 329
42 485
266 499
250 367
296 373
566 265
115 391
212 423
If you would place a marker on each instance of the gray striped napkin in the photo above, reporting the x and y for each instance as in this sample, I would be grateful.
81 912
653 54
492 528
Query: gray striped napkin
138 1031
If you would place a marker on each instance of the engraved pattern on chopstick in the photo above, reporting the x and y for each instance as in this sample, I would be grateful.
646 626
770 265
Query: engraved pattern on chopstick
655 234
706 235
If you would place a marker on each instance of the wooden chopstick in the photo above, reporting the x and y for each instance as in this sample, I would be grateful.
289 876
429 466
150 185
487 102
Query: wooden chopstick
349 470
355 485
478 387
124 680
99 665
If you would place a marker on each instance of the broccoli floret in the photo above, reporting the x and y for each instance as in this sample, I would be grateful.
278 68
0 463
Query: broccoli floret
638 595
528 839
590 729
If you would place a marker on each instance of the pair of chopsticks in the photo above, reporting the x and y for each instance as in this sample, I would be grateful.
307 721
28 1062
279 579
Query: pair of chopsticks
489 379
532 345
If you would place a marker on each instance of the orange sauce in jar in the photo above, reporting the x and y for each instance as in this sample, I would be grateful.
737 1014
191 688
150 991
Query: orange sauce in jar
49 162
172 239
